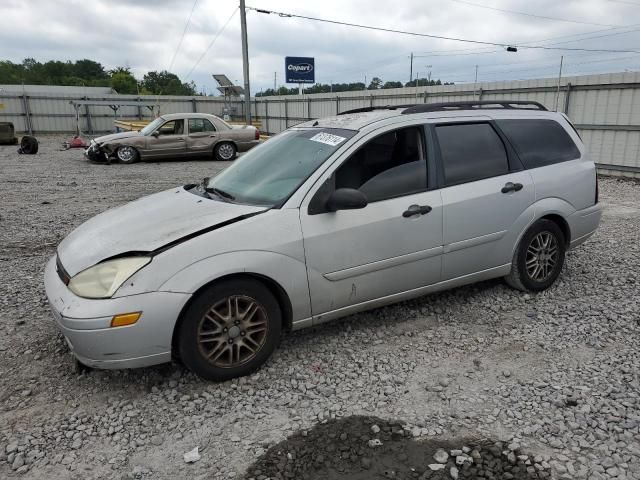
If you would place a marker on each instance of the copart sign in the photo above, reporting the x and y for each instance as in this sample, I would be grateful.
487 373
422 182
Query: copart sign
300 69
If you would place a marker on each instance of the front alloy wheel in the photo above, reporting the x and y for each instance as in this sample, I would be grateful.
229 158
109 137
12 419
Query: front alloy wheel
233 331
127 154
230 329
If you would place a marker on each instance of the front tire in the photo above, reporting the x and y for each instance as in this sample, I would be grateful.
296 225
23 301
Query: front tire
230 330
225 151
127 155
539 258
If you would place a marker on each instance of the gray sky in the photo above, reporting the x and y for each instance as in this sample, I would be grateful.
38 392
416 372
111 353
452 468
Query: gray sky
144 34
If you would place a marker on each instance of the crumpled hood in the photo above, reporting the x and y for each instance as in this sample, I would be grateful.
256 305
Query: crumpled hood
117 136
144 225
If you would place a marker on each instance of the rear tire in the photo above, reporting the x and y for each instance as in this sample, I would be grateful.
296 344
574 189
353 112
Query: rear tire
230 329
225 151
539 258
127 155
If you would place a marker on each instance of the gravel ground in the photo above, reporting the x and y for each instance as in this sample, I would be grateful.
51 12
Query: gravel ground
539 386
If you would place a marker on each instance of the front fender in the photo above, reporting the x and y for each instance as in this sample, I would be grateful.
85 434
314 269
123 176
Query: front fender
286 271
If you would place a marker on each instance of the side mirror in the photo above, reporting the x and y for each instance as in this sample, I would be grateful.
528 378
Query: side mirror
346 199
155 134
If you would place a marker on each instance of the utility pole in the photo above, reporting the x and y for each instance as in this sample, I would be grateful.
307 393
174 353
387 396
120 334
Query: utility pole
411 68
275 79
475 83
559 79
245 63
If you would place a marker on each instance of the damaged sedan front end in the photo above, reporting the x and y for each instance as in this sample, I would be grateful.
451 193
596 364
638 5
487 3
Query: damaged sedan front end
96 153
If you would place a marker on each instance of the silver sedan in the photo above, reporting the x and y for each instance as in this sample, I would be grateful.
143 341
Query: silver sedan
176 135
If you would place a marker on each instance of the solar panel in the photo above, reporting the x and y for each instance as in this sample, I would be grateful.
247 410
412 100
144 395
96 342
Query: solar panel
223 80
227 87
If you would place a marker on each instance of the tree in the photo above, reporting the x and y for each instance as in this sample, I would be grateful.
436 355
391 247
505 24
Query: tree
113 71
89 70
124 82
167 83
392 85
375 84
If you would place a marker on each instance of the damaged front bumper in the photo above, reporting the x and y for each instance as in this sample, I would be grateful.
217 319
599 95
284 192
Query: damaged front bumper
96 153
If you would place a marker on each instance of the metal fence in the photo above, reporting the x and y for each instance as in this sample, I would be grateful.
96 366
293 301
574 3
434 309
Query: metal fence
604 108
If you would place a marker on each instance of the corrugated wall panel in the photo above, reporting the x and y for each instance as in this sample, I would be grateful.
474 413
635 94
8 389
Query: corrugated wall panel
592 102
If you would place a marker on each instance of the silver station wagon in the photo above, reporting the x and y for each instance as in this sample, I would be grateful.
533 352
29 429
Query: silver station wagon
328 218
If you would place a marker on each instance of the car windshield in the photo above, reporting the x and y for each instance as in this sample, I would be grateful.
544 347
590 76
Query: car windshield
271 172
152 126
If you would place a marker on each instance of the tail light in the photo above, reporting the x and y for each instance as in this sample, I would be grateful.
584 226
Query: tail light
597 189
257 137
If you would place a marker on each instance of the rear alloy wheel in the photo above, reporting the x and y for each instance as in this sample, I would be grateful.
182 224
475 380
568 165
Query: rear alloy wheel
225 151
127 154
230 330
539 257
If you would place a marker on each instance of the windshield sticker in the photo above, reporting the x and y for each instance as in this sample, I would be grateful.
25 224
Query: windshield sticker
328 138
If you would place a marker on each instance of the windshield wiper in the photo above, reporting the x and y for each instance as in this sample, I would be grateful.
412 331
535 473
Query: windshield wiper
219 192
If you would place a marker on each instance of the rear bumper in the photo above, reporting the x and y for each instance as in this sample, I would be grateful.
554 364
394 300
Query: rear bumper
244 146
86 325
583 224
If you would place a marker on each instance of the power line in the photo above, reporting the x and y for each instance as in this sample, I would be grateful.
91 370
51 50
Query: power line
626 2
173 59
532 14
525 43
212 42
440 37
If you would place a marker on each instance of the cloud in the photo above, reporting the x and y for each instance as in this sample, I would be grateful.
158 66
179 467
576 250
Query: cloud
145 33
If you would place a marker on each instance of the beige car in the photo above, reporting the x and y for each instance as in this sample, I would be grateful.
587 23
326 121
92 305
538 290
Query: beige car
176 135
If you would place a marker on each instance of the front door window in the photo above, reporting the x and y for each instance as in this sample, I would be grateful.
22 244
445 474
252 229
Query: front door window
172 127
390 165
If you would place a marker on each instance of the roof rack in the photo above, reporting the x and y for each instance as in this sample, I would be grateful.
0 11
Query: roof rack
446 106
371 109
474 105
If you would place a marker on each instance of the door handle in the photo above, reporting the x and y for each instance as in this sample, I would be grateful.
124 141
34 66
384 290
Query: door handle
511 187
180 139
416 210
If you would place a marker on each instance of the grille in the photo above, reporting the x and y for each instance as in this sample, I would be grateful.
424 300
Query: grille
62 273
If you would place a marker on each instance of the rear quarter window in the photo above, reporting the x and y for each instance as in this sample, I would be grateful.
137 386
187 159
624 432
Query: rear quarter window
539 142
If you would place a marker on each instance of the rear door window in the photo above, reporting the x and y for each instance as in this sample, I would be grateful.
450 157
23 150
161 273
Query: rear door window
539 142
471 151
200 125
